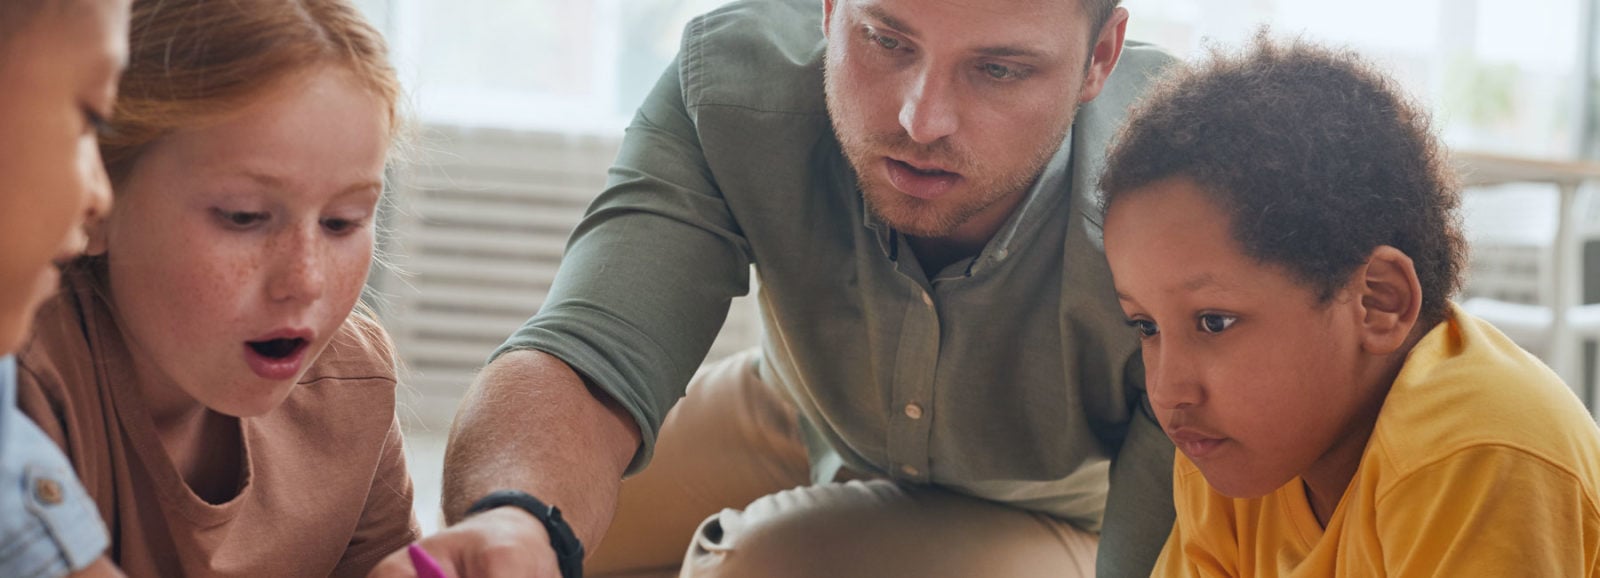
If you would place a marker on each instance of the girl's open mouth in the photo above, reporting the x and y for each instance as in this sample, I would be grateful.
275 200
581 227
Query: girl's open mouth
276 359
277 348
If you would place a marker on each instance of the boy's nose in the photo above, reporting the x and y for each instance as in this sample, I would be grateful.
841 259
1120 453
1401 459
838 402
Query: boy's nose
1172 379
94 198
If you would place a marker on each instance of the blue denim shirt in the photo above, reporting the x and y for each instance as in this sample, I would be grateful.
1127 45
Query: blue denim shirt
48 525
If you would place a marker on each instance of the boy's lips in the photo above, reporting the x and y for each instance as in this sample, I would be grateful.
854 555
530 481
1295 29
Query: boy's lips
72 247
1195 443
45 285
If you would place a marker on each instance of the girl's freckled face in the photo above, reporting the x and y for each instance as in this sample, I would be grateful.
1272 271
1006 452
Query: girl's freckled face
237 249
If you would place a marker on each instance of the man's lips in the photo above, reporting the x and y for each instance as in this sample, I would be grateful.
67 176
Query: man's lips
1195 443
924 181
924 166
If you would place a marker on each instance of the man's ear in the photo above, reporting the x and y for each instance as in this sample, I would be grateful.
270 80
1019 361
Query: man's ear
827 16
1104 54
1390 299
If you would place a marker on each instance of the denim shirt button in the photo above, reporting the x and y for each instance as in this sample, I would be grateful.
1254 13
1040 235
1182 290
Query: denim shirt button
48 491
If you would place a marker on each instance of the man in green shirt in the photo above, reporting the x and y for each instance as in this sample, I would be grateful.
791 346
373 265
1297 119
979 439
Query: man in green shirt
912 181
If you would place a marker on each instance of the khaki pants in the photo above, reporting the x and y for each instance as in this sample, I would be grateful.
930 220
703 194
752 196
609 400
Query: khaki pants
731 450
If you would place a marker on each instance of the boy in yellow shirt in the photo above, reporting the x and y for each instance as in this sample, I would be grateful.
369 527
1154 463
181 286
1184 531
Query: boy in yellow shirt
1282 229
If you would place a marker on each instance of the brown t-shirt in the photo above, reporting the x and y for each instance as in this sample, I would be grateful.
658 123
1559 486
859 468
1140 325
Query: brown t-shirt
325 490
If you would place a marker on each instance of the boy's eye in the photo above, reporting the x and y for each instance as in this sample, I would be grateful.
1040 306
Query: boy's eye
1146 327
1216 323
240 219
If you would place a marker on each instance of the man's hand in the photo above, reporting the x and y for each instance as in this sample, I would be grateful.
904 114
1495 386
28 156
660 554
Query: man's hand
528 423
503 542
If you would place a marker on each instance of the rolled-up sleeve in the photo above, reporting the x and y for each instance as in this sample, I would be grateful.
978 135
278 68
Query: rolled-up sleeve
48 525
649 273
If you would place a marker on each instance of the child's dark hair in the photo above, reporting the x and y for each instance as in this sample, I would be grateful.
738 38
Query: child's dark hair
1316 157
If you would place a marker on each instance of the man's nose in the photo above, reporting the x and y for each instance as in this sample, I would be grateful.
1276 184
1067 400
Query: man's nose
929 110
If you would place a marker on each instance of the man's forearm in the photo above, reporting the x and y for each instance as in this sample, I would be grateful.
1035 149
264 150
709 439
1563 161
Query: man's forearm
530 423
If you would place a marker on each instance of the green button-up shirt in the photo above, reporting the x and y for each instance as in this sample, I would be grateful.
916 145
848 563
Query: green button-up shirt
1011 376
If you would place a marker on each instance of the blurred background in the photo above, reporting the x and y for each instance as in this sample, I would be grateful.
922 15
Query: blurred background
521 105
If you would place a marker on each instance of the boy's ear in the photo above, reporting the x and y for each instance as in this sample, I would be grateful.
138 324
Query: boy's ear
1391 299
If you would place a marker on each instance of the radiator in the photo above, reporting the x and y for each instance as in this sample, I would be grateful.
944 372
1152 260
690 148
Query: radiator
477 221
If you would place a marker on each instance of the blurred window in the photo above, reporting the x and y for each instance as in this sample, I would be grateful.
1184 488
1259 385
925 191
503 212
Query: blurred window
549 65
1500 75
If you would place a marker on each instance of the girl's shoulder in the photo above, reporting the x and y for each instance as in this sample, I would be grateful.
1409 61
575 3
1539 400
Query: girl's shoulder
348 393
59 359
360 351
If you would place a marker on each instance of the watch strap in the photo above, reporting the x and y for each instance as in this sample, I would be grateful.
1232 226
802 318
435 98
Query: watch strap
565 543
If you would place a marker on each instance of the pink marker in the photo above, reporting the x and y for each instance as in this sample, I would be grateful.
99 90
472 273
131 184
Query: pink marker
425 565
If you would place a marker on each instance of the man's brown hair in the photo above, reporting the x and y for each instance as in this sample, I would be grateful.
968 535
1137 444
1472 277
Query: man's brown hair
1098 11
1316 157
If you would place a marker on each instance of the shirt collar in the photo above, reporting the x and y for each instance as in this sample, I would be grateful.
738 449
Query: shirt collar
1052 181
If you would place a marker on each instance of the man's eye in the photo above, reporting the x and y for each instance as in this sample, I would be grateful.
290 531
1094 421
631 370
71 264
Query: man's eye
1146 328
1216 323
886 42
999 71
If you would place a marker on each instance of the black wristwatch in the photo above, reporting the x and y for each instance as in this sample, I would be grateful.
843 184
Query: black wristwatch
569 550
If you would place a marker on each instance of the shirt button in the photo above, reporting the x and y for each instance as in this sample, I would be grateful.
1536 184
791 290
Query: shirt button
48 491
913 411
927 299
909 471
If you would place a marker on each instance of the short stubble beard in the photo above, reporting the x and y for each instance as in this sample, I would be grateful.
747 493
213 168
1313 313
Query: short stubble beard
918 217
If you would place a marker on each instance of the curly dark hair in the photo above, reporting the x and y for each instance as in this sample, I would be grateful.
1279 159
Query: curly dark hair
1317 158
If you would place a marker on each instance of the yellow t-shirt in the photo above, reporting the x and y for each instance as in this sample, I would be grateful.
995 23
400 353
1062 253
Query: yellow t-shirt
1481 463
